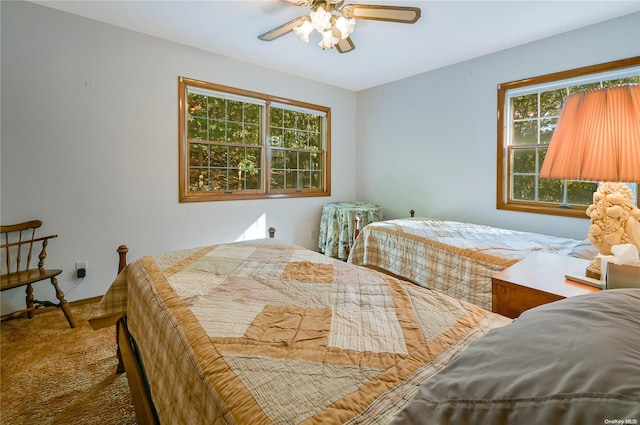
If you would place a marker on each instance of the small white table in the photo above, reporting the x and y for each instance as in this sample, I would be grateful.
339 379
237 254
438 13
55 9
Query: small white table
336 225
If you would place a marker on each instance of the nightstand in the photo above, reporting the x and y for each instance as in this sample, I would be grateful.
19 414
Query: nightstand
535 280
337 222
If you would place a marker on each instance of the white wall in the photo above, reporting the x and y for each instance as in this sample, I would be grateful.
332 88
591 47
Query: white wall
89 144
440 130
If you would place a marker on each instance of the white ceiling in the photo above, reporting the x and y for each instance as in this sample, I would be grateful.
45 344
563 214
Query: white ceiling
448 32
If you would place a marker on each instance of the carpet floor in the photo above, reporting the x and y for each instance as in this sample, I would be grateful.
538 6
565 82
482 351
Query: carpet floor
52 374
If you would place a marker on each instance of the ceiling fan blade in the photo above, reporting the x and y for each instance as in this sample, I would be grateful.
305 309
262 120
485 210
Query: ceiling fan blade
306 3
401 14
345 45
282 29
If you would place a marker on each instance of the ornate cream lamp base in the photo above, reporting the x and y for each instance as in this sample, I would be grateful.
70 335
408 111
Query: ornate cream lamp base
615 220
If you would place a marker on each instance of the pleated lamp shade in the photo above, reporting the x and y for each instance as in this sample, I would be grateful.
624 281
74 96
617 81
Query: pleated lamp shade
597 137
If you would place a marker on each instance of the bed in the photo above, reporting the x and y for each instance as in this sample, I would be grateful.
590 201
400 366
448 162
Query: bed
263 332
453 257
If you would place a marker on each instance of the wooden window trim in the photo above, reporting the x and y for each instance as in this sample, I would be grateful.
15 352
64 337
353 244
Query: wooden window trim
503 173
264 192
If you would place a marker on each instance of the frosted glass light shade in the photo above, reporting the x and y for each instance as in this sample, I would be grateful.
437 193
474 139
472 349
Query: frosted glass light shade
303 31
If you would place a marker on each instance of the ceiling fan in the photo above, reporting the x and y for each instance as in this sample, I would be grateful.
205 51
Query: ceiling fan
335 21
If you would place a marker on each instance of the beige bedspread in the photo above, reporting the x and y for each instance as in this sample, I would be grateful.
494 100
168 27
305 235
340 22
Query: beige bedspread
453 257
264 332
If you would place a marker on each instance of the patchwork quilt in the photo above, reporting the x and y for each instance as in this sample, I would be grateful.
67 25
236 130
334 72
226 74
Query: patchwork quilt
449 256
264 332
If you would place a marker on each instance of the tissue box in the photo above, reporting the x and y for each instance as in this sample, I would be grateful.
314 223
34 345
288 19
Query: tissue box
622 276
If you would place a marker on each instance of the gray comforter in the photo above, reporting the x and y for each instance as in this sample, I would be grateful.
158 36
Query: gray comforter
575 361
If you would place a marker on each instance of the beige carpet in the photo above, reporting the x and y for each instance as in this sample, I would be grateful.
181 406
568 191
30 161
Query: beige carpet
52 374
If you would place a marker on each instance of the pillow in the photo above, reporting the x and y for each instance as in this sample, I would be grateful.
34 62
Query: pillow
575 361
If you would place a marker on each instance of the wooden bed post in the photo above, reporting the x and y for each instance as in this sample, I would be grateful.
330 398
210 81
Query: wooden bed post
412 212
122 254
272 232
128 362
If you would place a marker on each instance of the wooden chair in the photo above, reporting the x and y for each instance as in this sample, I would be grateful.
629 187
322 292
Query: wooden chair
18 241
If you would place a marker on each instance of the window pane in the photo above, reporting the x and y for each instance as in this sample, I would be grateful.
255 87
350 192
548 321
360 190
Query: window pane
198 155
234 132
198 180
291 160
216 108
236 156
251 113
315 143
197 129
291 179
251 134
524 160
197 105
216 130
315 123
234 110
580 193
316 161
525 106
525 132
218 180
547 127
316 179
277 159
524 188
303 139
275 115
234 179
551 103
253 158
254 179
218 156
289 138
277 179
550 190
276 137
305 179
289 120
305 161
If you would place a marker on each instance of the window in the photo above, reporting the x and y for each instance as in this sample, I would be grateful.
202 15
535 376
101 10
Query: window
528 111
236 144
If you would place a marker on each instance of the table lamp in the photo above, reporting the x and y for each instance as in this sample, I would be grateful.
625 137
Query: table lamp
597 138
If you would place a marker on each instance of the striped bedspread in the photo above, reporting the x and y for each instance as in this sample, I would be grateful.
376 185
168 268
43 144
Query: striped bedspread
453 257
263 332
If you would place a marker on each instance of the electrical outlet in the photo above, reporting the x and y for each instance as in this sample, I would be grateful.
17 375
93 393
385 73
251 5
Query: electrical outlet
81 269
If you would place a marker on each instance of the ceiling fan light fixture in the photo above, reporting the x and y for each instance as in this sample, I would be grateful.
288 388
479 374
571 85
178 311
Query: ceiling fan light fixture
329 39
303 31
345 26
335 21
321 19
332 28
